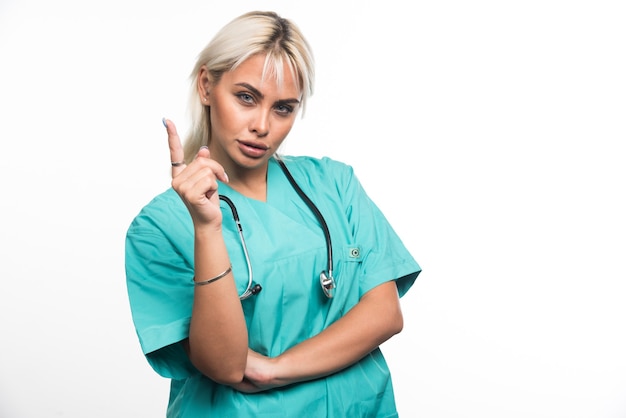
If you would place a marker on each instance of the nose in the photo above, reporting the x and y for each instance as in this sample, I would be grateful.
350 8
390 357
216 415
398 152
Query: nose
260 123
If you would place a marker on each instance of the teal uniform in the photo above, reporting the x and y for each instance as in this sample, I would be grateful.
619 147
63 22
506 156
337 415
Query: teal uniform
287 251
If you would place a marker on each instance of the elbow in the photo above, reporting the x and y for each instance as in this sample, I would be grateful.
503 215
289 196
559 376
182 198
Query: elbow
394 320
390 324
222 365
385 305
224 373
396 323
228 379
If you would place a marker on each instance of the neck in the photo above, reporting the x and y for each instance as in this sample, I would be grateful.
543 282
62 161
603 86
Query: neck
250 183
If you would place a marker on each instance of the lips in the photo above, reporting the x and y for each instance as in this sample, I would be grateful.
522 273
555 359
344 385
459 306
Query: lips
253 149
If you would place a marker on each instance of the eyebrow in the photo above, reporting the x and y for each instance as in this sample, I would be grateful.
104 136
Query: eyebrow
262 96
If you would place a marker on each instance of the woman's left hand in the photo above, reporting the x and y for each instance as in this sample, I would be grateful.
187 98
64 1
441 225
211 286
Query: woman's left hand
258 375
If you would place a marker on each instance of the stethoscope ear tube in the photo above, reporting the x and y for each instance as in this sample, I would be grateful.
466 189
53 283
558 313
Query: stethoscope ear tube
250 290
327 281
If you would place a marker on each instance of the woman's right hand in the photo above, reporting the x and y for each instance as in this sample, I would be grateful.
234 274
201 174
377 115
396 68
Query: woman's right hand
196 182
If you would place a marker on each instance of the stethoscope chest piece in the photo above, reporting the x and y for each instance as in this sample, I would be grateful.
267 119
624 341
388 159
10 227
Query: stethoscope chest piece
328 284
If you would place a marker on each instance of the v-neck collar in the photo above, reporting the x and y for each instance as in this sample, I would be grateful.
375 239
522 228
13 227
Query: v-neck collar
275 179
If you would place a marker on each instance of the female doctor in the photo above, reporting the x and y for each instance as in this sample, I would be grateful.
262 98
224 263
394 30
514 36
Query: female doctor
262 286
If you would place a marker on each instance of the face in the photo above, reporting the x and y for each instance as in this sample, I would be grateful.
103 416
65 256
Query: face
250 117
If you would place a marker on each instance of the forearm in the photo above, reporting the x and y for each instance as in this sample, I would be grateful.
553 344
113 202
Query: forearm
218 340
375 319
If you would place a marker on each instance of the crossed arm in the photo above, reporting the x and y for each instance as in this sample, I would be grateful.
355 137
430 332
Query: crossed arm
372 321
218 340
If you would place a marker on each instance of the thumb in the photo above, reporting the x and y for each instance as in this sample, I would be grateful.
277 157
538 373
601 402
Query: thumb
203 152
219 171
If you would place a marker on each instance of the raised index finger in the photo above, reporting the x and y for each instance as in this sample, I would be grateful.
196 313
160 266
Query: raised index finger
177 155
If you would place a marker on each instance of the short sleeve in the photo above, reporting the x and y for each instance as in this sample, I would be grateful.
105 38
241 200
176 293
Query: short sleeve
159 273
383 254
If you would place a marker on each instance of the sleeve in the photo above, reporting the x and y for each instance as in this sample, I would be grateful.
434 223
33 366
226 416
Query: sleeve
384 256
159 272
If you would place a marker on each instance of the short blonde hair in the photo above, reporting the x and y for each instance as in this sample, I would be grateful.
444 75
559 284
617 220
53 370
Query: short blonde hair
279 39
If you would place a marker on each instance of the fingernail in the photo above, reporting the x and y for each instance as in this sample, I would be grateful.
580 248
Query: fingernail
164 122
226 177
204 147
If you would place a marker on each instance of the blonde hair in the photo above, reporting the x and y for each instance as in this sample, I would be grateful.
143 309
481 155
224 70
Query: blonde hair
249 34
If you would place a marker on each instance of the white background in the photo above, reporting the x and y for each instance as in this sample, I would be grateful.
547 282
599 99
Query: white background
490 132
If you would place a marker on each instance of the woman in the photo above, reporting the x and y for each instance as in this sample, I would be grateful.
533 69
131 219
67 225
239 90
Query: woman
243 322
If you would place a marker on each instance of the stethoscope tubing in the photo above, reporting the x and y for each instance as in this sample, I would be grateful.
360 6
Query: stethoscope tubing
248 292
316 211
327 280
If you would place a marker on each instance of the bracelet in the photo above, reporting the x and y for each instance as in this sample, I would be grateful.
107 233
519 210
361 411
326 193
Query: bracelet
219 276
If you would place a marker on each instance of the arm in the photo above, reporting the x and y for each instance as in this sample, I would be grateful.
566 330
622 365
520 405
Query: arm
372 321
218 337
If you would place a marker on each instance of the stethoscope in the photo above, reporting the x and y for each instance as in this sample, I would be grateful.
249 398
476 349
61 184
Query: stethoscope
327 281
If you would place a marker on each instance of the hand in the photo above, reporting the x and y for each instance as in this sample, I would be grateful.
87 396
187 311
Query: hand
196 182
259 374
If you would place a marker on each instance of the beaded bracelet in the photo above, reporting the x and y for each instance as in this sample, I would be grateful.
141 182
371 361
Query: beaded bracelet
219 276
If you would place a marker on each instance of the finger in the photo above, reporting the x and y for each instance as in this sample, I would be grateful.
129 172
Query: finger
219 171
199 185
177 155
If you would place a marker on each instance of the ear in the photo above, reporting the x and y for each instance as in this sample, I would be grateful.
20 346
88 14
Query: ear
204 85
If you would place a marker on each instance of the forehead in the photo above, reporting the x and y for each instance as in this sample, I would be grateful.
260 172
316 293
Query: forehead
266 74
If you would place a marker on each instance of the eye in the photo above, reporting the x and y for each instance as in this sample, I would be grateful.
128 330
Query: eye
245 97
284 109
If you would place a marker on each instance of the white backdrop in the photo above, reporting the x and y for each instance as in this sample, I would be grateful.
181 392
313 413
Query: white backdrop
489 133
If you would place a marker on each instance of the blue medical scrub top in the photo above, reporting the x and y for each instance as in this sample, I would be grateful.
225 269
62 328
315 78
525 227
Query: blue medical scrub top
287 251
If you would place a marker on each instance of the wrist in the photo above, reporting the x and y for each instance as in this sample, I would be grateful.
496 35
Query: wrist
280 371
208 231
